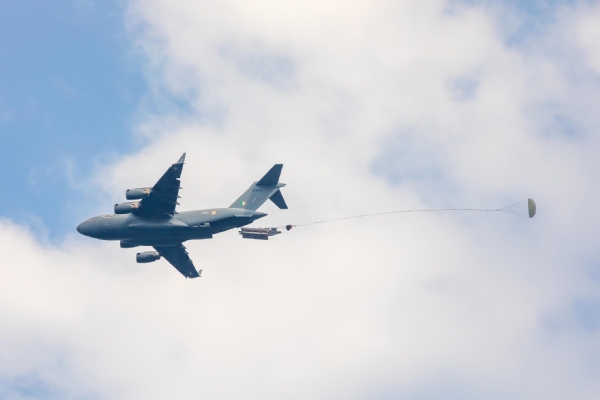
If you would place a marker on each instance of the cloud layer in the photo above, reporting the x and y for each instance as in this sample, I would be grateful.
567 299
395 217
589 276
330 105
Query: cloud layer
371 107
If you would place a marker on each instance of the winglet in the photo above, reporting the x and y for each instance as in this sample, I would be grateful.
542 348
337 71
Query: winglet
181 159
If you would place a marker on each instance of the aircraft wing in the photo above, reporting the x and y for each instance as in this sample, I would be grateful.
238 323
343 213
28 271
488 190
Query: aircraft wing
178 257
162 200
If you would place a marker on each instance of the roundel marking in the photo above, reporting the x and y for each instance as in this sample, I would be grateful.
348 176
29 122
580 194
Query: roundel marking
213 212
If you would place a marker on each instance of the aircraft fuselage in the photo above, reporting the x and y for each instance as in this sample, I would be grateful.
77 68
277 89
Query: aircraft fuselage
139 230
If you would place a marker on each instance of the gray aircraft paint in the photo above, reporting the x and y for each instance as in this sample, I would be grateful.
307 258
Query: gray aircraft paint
153 222
188 225
263 190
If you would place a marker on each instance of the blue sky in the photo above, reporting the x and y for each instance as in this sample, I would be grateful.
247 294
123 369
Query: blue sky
70 86
71 83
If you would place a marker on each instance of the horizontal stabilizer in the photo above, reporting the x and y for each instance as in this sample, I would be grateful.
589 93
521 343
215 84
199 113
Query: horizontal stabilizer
278 199
272 177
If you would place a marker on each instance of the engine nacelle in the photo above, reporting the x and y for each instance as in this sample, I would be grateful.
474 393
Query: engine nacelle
125 245
127 207
136 194
147 257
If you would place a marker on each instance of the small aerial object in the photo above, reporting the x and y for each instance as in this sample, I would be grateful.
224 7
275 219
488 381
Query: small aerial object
151 220
525 208
259 233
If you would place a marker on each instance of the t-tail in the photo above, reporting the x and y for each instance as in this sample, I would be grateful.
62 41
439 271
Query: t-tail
264 189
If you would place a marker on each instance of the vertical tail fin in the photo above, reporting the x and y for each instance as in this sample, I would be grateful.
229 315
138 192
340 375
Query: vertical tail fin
264 189
272 177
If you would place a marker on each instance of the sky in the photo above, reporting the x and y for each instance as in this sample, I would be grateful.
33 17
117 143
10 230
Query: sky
371 106
69 90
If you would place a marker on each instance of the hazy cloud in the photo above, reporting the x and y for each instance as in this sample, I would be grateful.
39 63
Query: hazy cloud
413 306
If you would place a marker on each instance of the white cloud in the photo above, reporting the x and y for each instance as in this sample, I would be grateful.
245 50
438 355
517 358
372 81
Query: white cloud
587 31
389 306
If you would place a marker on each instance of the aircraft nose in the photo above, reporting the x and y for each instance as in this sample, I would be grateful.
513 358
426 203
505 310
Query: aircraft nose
84 228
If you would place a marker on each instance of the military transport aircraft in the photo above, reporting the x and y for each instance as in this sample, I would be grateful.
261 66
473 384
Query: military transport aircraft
153 221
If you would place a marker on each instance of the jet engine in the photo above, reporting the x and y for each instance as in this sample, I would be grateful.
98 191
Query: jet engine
127 207
136 194
147 256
